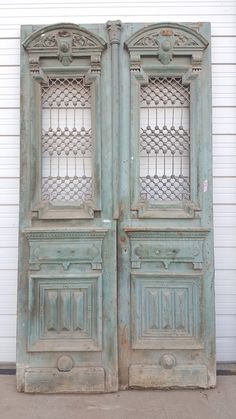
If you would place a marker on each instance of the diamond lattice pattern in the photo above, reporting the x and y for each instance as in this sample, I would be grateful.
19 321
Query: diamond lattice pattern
66 141
164 140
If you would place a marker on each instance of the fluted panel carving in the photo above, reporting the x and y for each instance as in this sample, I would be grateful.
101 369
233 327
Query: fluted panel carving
165 310
70 313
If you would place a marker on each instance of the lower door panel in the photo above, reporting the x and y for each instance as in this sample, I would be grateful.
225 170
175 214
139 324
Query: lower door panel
69 316
163 325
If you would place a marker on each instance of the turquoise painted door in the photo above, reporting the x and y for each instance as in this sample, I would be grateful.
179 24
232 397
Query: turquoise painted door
166 298
67 316
115 266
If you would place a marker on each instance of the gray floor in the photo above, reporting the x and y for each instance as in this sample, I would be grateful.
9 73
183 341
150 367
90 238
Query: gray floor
219 403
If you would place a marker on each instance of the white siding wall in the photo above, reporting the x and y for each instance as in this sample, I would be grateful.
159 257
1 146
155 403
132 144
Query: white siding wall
222 15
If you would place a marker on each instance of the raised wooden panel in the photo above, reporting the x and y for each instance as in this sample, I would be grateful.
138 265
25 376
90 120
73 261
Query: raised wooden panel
165 311
65 247
77 380
166 247
65 313
159 376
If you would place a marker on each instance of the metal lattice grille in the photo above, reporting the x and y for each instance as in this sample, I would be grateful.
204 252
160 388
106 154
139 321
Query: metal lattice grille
66 141
164 140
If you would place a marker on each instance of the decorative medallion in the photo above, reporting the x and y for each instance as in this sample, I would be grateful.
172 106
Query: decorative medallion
64 363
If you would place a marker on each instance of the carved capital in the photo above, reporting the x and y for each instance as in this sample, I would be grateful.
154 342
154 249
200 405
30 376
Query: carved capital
96 63
135 62
114 29
195 69
34 64
197 61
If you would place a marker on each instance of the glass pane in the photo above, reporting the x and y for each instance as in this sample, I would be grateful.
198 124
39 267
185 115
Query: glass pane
66 141
164 140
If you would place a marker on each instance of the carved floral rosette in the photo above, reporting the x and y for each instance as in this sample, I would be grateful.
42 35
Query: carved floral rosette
65 42
166 40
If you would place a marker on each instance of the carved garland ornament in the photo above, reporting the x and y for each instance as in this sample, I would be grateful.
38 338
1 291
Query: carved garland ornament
64 41
165 41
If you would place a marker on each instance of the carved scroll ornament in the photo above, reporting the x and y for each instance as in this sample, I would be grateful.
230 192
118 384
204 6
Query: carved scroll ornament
65 42
165 41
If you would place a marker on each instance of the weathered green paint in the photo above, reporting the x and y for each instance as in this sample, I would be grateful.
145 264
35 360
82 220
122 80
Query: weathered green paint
67 287
165 250
67 314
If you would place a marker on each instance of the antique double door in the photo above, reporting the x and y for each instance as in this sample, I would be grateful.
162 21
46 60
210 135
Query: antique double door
115 282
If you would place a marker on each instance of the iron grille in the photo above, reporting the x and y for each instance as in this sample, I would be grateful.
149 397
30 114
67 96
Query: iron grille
164 140
66 141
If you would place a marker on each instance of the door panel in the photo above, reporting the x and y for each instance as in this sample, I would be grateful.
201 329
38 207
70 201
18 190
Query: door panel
166 309
67 316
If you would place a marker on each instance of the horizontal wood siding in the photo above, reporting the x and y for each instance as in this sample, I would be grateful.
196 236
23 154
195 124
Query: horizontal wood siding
222 16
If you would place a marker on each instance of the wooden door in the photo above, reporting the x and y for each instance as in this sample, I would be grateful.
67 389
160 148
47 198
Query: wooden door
166 297
67 316
115 154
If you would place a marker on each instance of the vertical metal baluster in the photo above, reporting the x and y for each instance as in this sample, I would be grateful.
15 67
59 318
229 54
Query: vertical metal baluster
58 118
83 162
164 156
148 155
173 115
67 129
75 153
74 147
164 151
82 118
181 117
173 152
58 153
66 103
156 117
148 151
181 163
58 164
50 116
84 176
74 103
156 152
50 163
67 163
156 142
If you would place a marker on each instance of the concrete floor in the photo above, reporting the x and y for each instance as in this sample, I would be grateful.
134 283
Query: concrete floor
219 403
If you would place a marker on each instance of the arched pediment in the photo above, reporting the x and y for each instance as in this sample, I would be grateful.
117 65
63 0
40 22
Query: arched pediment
166 40
184 37
64 41
47 38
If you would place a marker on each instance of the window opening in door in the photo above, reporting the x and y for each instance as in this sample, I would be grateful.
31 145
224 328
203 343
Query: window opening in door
66 141
164 140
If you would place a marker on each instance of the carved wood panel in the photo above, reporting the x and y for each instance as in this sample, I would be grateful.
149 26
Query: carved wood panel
165 311
65 313
166 322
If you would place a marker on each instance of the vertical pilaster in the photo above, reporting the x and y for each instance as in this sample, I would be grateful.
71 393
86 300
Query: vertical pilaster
114 30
